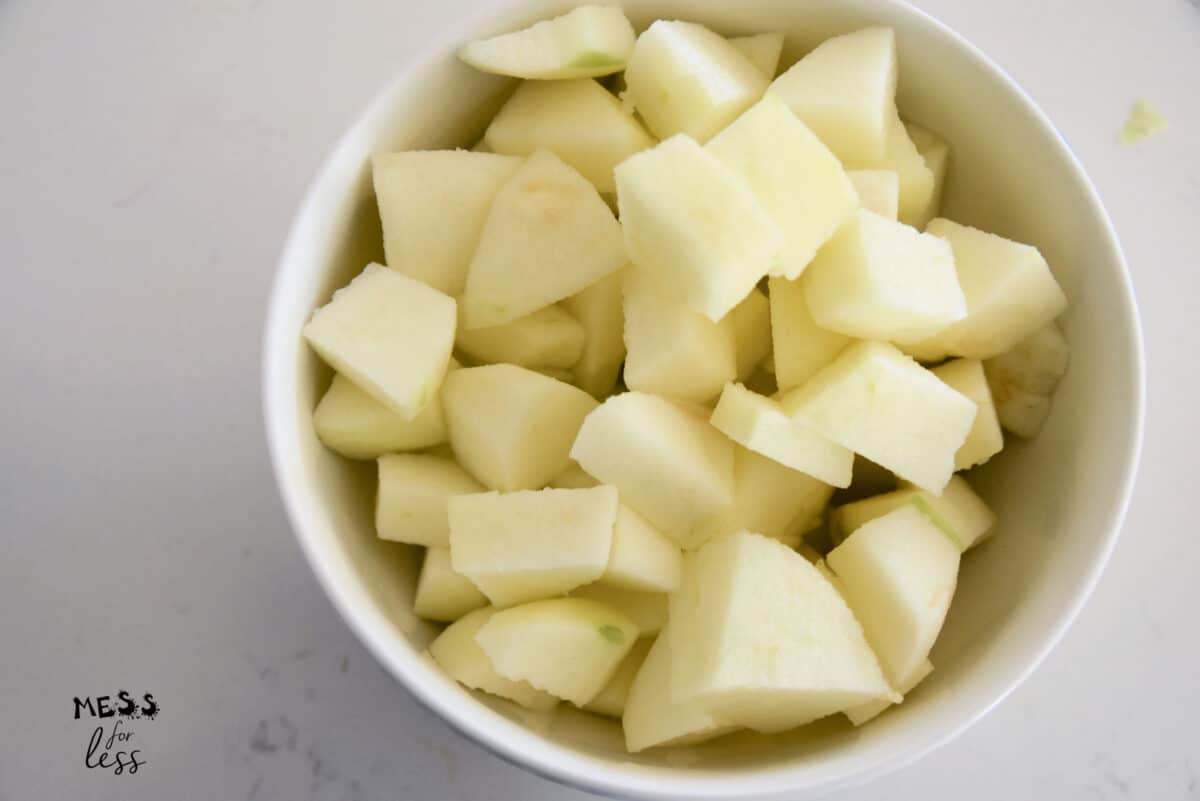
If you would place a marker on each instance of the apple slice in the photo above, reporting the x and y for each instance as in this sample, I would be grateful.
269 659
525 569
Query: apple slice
751 332
1023 379
762 50
642 557
599 310
414 489
844 90
936 153
869 711
568 647
801 346
442 594
414 189
389 334
610 701
548 236
878 402
647 609
357 426
877 190
915 177
585 42
662 193
960 513
510 427
579 121
966 377
548 337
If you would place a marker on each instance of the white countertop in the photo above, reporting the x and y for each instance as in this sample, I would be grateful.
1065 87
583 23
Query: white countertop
151 156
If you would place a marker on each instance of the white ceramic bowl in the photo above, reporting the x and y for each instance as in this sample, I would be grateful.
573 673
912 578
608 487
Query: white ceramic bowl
1060 498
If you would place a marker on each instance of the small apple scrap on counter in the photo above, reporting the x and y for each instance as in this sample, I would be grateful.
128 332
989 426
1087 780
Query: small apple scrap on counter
618 425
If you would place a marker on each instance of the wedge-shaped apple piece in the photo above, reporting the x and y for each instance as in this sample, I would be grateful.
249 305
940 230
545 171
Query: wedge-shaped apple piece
795 178
801 347
844 91
683 78
936 153
585 42
762 50
548 236
662 193
568 647
959 512
415 190
610 701
443 594
751 332
915 178
456 652
878 402
647 609
414 489
761 425
356 425
548 337
1023 379
599 310
1009 289
672 350
877 190
966 377
880 279
389 334
651 718
762 639
859 715
642 557
898 573
521 546
668 463
510 427
580 121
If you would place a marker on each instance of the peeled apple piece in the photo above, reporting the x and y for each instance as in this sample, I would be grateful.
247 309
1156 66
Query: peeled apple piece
958 511
389 334
936 153
647 609
642 557
801 347
662 192
1023 379
751 321
985 440
599 310
574 477
549 337
579 121
357 426
762 50
859 715
611 700
683 78
442 594
587 41
414 491
916 179
877 190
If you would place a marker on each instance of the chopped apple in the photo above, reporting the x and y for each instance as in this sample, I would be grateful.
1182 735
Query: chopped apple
793 175
647 609
568 647
579 121
442 594
510 427
966 377
936 152
880 403
898 573
801 347
414 189
1023 379
762 50
844 91
877 190
642 557
695 225
900 155
389 334
598 309
762 640
760 424
669 464
880 279
547 236
586 42
751 332
610 701
958 512
869 711
414 489
574 477
672 350
357 426
548 337
521 546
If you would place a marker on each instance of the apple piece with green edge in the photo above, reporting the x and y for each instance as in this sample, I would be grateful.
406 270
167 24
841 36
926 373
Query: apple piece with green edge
936 153
548 337
958 511
414 490
599 310
916 179
877 190
751 332
861 714
647 609
966 376
801 347
548 235
442 594
762 50
367 333
586 42
578 120
568 647
459 655
610 701
522 546
642 557
1023 379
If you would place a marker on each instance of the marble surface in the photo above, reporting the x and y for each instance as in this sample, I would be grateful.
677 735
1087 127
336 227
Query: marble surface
151 155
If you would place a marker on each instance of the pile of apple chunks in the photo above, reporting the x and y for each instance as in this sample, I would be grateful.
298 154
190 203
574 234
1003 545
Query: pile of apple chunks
618 434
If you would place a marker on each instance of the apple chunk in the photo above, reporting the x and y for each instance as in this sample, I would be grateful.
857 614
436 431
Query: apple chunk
762 50
587 41
960 513
801 347
443 594
610 701
647 609
966 377
599 311
414 490
642 557
877 190
916 183
936 153
1023 379
549 337
357 426
751 332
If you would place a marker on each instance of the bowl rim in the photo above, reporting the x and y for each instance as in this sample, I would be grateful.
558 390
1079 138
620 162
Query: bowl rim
498 734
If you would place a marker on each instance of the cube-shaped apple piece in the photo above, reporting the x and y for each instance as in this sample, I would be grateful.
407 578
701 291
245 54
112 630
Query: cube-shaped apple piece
356 425
683 78
898 573
389 334
761 425
456 652
663 193
647 609
859 715
1023 379
599 310
443 594
548 337
521 546
415 188
510 427
579 121
958 511
801 347
547 236
414 489
877 190
844 91
668 463
880 279
1009 289
880 403
795 178
587 41
966 377
568 647
914 176
751 332
936 153
763 640
642 557
610 701
671 349
762 50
